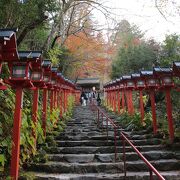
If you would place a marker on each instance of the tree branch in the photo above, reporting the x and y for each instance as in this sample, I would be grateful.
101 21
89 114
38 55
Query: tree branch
156 5
28 28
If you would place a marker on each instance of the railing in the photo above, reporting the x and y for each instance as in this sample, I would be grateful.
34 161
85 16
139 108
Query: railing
101 115
150 166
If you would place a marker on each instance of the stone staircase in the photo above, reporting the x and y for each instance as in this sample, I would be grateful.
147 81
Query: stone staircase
83 153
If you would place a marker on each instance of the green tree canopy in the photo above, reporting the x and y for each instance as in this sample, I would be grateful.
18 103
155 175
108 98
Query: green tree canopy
170 50
133 52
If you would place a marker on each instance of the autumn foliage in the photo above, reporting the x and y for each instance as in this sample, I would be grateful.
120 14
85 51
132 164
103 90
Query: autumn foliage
90 54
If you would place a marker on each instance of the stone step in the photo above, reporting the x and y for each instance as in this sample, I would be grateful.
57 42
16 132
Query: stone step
102 137
83 153
61 167
96 167
102 142
86 143
102 149
169 175
130 156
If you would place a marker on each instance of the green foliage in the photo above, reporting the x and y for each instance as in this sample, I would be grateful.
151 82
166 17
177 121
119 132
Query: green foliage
69 112
6 123
27 16
133 122
133 53
61 57
52 118
170 50
133 58
2 162
35 39
54 55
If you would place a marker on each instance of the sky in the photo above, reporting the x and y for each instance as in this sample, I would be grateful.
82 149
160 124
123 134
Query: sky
145 15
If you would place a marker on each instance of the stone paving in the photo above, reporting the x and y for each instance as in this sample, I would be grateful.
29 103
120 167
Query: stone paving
83 153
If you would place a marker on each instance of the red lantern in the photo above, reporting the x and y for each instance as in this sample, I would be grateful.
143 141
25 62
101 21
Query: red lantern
139 81
129 87
37 70
140 85
8 49
165 76
150 81
128 82
176 69
46 66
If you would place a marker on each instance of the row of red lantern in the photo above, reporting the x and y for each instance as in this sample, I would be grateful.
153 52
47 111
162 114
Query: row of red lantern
29 70
160 79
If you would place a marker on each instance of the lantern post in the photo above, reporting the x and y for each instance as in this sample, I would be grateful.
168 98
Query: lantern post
53 82
176 73
8 53
139 85
61 102
122 101
19 78
37 80
114 95
176 69
165 76
110 94
59 93
129 86
118 96
46 66
65 96
63 87
107 94
151 84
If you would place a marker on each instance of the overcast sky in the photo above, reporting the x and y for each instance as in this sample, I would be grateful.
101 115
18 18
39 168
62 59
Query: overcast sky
144 14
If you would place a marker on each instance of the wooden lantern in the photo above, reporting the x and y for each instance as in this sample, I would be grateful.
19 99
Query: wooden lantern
165 76
54 77
37 70
139 81
8 49
20 71
128 82
176 69
46 66
151 82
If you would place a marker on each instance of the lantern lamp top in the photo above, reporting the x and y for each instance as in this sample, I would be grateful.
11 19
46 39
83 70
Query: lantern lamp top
30 55
177 64
118 80
158 71
146 73
46 63
54 69
8 46
6 34
59 74
135 76
36 54
114 82
176 68
127 77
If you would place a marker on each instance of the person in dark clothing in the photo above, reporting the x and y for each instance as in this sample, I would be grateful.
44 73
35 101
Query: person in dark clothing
98 100
83 99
